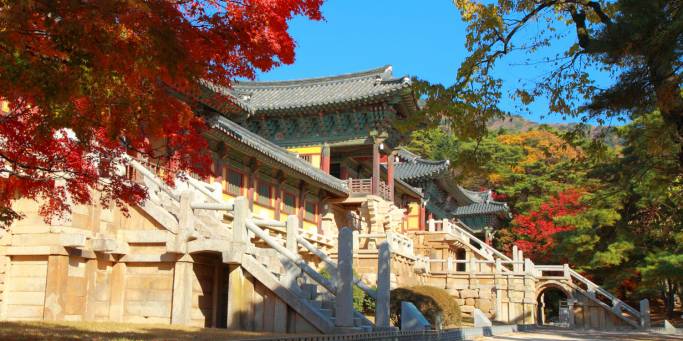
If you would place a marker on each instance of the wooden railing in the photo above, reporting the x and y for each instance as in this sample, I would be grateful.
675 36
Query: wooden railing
364 186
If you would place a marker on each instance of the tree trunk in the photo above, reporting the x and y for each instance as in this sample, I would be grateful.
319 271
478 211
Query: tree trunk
669 297
669 101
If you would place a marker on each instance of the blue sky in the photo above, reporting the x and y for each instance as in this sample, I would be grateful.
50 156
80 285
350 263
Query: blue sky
419 38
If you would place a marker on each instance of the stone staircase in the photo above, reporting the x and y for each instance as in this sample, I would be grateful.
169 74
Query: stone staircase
562 274
257 245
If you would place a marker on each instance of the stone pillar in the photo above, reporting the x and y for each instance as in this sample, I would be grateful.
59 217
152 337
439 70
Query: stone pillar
431 225
55 287
645 314
383 286
570 307
344 299
390 174
293 246
375 169
118 292
181 306
325 158
236 306
237 302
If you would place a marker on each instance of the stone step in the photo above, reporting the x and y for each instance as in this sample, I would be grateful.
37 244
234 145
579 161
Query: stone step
327 313
328 304
310 291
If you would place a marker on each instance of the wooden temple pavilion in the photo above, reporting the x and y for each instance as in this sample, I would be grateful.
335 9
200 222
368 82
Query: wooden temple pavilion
307 174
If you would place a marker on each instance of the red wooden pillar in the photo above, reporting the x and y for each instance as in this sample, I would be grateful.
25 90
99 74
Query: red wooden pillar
375 168
302 203
422 217
251 182
390 174
344 172
325 158
278 194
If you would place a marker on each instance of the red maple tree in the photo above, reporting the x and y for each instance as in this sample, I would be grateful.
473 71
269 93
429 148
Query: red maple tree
535 230
85 82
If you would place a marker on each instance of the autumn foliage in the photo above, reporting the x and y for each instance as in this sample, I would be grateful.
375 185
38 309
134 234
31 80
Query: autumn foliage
85 82
536 228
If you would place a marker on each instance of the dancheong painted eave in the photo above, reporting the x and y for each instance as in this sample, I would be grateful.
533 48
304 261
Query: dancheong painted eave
325 93
277 153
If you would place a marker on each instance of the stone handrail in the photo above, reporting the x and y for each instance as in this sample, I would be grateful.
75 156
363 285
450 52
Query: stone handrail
333 266
592 289
448 227
400 244
294 258
147 174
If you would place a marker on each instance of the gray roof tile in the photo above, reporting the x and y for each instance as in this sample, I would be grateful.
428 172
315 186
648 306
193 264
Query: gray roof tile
481 208
316 93
412 167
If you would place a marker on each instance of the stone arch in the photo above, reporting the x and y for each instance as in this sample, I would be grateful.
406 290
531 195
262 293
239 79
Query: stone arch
541 286
542 290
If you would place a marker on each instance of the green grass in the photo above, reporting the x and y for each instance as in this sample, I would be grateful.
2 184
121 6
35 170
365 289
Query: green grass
115 331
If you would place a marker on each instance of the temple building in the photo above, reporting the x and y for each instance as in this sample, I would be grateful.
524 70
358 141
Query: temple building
308 175
445 199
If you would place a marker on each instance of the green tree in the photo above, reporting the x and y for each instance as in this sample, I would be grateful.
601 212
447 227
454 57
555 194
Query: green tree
639 43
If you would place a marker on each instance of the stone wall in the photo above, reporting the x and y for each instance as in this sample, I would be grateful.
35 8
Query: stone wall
54 272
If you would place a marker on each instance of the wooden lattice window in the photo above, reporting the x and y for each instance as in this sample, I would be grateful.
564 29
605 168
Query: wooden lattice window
235 182
307 157
288 203
264 191
311 211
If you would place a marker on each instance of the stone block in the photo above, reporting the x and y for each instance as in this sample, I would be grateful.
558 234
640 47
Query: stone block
469 301
467 309
485 293
484 304
469 293
454 292
145 309
480 319
26 298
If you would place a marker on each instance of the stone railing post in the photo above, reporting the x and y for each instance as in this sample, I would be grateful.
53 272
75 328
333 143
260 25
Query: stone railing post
182 270
499 266
344 299
473 264
238 304
431 225
239 222
520 260
565 271
383 286
515 254
293 271
528 266
644 314
449 265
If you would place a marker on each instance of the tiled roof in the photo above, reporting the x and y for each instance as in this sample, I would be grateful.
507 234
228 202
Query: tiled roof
317 93
483 208
412 167
273 151
466 195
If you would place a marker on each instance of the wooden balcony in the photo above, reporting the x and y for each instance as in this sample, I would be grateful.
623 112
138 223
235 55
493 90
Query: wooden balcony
364 186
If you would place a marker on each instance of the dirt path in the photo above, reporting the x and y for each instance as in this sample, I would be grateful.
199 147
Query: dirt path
580 335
